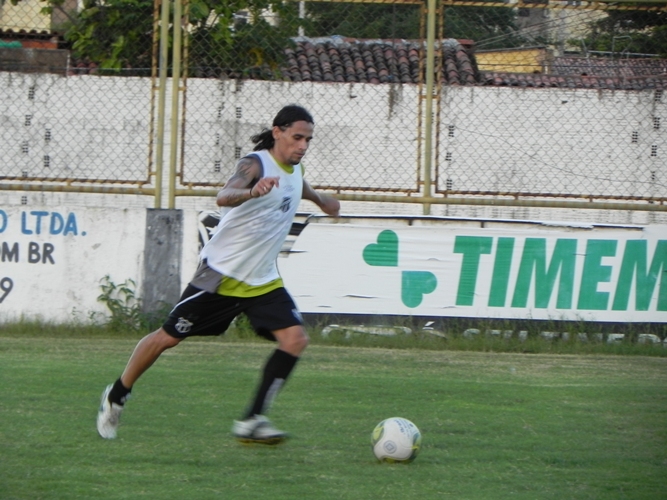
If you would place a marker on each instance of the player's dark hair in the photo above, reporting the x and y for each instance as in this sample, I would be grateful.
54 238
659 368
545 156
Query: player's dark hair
284 119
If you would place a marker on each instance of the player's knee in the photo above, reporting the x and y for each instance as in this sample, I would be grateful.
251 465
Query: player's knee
303 340
293 340
164 340
298 342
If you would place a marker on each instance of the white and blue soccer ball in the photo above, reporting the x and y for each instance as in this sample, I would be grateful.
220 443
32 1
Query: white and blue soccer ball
396 440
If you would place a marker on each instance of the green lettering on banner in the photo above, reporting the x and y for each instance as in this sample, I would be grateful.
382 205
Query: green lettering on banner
533 263
635 258
501 272
472 247
593 273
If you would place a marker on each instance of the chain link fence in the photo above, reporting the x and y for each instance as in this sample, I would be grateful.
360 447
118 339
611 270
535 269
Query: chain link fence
528 102
75 114
347 63
571 105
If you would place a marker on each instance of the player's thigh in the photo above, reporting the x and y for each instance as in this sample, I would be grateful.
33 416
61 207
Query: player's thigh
273 312
201 313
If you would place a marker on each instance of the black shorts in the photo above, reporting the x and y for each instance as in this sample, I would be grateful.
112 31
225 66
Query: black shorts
202 313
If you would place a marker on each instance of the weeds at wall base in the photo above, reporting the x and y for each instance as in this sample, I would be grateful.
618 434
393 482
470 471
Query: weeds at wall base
128 320
493 336
453 340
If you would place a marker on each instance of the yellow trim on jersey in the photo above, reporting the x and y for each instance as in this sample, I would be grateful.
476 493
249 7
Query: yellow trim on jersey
285 166
235 288
288 168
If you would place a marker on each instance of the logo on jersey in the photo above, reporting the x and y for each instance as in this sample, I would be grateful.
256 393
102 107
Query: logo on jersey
183 325
285 204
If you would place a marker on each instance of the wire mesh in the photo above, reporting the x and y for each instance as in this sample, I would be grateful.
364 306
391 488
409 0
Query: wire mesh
348 63
532 100
568 103
75 106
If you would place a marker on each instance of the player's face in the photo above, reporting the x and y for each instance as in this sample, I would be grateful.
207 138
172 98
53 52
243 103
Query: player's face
292 143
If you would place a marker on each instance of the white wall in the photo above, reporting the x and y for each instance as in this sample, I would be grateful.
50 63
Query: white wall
532 140
53 258
365 135
87 127
555 140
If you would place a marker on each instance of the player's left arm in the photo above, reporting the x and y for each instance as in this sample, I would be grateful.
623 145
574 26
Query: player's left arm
327 203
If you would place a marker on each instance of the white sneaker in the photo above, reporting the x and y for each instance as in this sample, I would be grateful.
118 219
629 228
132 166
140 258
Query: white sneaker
108 417
257 429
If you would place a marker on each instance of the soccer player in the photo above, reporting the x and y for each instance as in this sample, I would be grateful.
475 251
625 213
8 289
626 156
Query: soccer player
238 274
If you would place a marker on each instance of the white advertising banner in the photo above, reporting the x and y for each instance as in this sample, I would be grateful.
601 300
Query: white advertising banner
480 269
52 261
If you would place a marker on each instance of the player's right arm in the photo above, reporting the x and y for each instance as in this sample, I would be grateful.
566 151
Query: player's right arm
246 183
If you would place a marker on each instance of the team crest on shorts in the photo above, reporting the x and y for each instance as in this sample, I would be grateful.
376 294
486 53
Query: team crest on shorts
183 325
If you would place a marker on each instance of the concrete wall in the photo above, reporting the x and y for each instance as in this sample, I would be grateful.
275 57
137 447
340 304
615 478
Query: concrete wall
567 141
555 141
366 135
513 60
25 15
74 127
53 258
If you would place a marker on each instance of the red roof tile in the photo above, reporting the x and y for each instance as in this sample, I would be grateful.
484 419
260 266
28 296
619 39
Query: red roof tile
340 59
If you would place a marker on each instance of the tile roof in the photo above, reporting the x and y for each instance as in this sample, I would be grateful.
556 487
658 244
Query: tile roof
349 60
607 67
338 59
22 33
572 81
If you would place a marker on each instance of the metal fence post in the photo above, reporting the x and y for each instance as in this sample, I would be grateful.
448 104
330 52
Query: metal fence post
163 57
175 94
428 122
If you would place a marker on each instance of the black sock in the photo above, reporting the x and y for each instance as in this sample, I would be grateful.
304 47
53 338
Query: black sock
277 369
119 393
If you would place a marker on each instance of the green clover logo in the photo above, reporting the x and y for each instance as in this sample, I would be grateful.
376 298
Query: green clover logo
414 284
384 252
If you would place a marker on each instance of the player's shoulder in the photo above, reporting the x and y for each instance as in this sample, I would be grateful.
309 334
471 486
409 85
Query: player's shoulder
250 163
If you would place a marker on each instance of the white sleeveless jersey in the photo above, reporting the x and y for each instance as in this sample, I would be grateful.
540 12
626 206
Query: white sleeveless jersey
248 238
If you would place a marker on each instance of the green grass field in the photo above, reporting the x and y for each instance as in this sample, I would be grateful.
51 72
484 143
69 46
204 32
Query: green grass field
494 425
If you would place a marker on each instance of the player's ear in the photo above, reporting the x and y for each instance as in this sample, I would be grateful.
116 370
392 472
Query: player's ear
276 131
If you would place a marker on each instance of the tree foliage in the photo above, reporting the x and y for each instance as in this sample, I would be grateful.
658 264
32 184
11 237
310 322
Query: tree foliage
403 21
488 27
627 31
364 21
118 34
222 43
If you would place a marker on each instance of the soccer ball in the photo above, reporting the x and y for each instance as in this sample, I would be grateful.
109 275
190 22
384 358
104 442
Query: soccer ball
395 440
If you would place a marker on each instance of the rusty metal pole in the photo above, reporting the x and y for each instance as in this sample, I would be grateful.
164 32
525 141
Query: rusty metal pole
162 95
428 121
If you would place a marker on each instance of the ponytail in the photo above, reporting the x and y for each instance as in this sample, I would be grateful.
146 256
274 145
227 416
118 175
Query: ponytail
284 119
263 140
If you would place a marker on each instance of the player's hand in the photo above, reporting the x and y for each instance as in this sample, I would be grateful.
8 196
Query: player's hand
264 186
330 205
